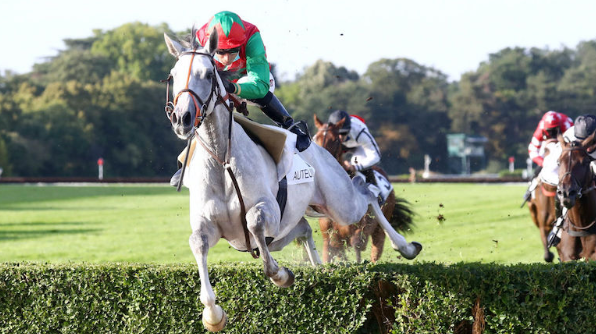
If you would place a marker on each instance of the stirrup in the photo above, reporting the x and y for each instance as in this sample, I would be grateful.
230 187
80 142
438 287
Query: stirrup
554 237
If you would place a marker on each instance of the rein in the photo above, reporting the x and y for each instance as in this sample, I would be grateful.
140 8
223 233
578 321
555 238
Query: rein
200 116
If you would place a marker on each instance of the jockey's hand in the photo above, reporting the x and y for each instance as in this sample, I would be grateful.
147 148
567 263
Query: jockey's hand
349 167
538 160
230 87
239 105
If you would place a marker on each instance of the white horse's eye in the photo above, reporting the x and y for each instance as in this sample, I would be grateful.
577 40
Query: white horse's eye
209 75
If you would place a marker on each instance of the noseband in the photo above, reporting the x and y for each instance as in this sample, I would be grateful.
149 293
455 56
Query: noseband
215 91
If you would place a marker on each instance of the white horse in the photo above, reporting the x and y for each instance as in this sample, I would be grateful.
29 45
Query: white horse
233 181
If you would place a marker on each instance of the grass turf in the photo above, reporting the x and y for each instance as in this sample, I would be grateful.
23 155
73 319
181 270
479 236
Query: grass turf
150 224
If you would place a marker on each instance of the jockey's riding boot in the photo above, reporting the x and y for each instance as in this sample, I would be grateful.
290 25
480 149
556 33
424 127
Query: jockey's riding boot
528 194
273 108
370 176
532 184
176 177
554 237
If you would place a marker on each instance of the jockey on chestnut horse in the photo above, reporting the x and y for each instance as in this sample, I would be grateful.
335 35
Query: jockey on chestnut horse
358 142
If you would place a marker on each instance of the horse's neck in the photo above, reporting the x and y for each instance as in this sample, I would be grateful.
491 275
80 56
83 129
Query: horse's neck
584 210
214 131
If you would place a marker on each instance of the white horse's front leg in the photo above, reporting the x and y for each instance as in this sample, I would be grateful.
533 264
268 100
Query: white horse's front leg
214 317
257 218
398 242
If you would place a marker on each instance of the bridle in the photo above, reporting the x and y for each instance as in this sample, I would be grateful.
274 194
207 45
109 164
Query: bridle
574 147
199 117
196 99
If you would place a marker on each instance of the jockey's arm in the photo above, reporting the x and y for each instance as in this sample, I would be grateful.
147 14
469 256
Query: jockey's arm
369 152
534 147
256 82
538 160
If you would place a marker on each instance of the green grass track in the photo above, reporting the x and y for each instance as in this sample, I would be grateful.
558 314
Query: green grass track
150 224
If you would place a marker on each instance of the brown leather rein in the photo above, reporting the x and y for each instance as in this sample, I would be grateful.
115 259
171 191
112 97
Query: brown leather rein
199 117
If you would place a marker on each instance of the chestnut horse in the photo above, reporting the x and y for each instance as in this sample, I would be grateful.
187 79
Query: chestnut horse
576 191
542 205
335 236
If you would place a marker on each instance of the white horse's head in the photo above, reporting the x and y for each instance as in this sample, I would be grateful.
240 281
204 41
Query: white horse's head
196 84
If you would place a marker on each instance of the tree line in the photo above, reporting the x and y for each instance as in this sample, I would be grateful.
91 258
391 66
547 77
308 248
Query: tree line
102 97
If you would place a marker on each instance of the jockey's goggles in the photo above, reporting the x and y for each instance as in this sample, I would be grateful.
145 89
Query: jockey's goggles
224 51
552 132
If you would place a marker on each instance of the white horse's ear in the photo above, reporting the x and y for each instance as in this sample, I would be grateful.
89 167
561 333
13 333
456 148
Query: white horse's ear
213 40
174 47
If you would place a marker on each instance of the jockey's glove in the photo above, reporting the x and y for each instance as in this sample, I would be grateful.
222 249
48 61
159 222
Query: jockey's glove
230 86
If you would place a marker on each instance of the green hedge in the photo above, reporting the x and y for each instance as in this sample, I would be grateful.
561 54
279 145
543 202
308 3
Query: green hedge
350 298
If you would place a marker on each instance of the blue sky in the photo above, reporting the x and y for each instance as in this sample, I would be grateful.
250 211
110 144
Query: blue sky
452 36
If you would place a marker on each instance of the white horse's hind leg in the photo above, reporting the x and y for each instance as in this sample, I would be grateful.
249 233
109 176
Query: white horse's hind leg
214 317
302 230
398 242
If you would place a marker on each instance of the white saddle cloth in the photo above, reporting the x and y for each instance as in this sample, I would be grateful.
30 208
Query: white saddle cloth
550 168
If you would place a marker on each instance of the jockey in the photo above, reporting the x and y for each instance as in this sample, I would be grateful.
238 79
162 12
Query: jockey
242 52
551 125
365 153
357 139
585 125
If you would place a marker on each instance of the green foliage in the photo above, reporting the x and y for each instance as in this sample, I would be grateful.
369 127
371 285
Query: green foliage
413 298
506 97
136 49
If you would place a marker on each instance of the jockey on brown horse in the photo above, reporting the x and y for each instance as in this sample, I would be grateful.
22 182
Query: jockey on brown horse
360 144
551 125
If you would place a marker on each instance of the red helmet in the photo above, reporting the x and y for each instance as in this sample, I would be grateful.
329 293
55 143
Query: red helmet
551 122
551 119
230 30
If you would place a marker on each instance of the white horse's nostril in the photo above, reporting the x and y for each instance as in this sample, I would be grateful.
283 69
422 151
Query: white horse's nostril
187 119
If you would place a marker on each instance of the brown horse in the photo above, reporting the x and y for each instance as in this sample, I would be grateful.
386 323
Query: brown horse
542 210
336 237
576 193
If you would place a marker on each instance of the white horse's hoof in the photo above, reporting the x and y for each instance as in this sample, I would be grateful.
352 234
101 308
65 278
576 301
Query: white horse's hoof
214 319
284 278
411 255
